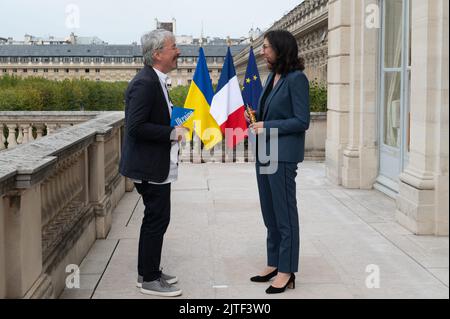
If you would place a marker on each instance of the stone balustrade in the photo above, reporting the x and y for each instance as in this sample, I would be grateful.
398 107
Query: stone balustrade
22 127
192 152
57 196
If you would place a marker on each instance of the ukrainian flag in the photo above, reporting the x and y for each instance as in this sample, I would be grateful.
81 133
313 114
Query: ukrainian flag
199 98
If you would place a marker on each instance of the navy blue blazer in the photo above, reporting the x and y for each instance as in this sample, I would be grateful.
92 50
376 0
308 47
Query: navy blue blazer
146 146
287 109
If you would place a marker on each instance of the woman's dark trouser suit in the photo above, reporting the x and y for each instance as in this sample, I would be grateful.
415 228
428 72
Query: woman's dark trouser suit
277 193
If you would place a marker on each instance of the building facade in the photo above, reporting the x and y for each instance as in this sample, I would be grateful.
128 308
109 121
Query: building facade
388 105
52 40
308 22
102 62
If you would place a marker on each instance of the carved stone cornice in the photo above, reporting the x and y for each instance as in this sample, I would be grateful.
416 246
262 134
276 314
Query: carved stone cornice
308 22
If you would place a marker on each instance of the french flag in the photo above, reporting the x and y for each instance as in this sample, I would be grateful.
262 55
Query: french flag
227 106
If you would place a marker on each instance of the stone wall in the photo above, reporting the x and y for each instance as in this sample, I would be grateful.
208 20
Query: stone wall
422 204
353 139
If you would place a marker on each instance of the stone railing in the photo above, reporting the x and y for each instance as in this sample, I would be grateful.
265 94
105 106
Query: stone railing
22 127
316 137
57 196
314 147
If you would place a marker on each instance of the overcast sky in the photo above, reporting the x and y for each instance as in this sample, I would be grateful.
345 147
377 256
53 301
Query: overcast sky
122 22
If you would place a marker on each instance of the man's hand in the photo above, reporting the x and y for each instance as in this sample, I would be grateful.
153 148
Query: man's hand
257 128
179 133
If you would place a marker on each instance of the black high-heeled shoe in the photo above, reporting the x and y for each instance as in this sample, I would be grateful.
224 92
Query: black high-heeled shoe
289 284
265 278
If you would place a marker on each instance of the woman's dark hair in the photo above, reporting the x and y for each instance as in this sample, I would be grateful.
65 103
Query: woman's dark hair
285 47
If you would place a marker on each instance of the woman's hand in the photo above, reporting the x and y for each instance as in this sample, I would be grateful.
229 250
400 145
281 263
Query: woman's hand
247 118
257 128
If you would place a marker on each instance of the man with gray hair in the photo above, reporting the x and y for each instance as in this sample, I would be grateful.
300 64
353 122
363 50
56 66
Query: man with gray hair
150 155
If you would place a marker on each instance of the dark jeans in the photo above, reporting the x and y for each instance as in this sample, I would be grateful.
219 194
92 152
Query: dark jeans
156 219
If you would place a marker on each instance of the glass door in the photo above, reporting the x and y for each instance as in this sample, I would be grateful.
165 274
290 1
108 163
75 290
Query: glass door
394 92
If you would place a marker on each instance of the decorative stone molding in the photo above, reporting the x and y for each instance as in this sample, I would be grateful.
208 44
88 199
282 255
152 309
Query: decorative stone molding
42 289
308 22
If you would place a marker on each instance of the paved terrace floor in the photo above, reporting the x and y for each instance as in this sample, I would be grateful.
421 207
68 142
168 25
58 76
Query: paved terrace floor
216 241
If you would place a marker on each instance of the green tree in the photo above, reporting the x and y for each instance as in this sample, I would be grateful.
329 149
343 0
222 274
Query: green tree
318 97
178 95
40 94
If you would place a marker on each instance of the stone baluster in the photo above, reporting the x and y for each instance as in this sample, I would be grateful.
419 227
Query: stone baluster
197 150
51 127
39 130
250 152
240 152
217 153
25 128
185 152
229 154
19 135
12 142
2 139
30 133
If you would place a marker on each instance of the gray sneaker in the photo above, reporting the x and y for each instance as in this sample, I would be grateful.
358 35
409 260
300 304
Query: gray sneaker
168 278
160 287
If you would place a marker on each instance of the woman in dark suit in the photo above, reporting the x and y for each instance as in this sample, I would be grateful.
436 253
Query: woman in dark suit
283 108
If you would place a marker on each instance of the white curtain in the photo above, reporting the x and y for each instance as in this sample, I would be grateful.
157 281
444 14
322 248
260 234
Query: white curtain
393 55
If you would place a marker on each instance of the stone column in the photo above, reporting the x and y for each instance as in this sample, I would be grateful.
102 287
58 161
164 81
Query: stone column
97 197
338 86
368 143
351 155
360 164
23 251
422 204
